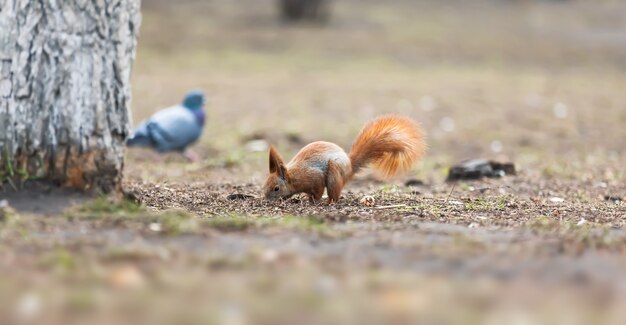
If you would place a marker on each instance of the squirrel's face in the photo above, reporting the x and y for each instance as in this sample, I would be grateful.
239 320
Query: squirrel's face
277 184
276 188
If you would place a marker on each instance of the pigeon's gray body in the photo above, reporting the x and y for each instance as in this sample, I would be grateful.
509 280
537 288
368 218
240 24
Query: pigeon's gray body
171 129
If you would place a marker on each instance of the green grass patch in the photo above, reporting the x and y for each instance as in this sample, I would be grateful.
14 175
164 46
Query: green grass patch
171 222
477 204
242 223
577 237
59 259
179 221
308 223
104 206
232 223
174 222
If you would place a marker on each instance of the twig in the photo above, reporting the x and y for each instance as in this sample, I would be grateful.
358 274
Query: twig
391 206
12 184
451 190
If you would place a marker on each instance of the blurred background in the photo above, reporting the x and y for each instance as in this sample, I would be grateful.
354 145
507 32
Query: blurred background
537 81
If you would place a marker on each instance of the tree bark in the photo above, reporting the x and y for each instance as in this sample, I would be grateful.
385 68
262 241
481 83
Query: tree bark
65 89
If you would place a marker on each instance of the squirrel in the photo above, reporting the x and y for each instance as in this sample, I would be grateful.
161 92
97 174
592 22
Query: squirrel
390 143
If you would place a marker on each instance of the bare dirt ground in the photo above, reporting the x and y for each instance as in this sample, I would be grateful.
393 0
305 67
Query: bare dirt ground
537 83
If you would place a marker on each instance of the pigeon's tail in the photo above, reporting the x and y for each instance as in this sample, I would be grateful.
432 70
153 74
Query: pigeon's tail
140 138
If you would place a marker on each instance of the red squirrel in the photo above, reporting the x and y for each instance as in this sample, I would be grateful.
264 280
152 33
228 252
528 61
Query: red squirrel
390 144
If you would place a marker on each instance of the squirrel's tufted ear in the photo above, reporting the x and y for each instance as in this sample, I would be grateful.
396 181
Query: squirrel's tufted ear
277 165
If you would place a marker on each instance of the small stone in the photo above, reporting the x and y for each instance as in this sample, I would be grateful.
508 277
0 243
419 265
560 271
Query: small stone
269 256
126 276
496 146
447 124
556 199
155 226
368 201
600 184
427 103
581 222
257 145
28 306
5 210
232 315
560 110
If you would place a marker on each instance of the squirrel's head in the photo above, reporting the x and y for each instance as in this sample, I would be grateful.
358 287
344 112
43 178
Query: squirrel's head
277 185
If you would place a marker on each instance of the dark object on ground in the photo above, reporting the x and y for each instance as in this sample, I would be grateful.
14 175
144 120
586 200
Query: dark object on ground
297 10
414 182
238 196
295 138
132 196
615 198
336 217
479 168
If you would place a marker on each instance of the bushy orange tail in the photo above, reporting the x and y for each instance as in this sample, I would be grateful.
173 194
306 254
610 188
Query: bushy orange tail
390 143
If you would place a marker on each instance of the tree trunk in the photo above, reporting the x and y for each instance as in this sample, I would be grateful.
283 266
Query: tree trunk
65 90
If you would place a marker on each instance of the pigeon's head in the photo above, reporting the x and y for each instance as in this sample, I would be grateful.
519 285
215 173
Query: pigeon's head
194 100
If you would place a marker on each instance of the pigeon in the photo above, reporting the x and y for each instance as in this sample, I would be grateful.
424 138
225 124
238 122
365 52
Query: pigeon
174 128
